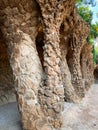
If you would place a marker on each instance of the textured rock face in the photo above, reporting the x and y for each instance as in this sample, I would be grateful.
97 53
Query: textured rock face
96 73
6 79
78 40
87 66
45 41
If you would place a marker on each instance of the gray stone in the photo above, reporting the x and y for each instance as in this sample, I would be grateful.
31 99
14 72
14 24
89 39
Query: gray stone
9 117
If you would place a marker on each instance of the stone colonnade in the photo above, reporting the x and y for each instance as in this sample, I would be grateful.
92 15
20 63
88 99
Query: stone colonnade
46 69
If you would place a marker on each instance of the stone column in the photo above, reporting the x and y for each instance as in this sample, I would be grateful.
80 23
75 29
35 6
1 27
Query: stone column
53 86
27 72
77 42
87 65
76 75
19 26
69 91
53 94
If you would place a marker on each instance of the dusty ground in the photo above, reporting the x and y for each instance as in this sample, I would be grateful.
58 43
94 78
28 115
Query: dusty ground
82 116
9 117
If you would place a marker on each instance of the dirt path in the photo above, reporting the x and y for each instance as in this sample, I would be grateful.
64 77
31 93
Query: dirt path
82 116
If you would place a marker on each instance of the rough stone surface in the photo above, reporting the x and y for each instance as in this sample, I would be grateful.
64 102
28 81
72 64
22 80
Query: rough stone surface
87 66
6 80
43 80
96 73
82 116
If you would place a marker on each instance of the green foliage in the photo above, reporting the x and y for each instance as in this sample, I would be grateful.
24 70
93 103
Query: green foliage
90 40
85 12
92 36
94 30
78 1
95 55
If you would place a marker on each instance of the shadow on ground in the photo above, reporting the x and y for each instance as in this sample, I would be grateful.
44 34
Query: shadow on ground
9 117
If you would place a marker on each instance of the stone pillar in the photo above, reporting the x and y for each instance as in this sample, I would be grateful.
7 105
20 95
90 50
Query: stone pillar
53 95
77 42
69 91
19 26
87 65
53 88
27 72
76 75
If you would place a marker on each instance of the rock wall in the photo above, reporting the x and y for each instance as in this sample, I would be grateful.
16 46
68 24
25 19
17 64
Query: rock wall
45 46
6 79
87 66
96 73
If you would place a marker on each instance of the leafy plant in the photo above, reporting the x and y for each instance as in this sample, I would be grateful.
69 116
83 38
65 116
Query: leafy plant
85 12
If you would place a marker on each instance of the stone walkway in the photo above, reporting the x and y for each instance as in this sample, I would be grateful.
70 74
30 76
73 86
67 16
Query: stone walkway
82 116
